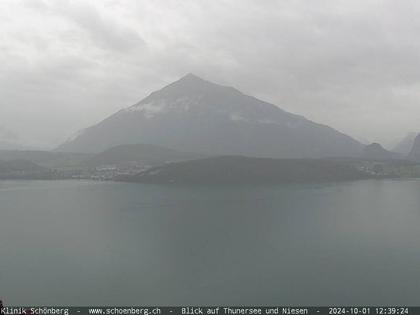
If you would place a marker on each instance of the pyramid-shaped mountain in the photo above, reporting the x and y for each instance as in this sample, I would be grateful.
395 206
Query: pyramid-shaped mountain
194 115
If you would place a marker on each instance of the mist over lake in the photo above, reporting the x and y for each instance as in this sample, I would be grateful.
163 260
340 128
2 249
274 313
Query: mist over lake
107 243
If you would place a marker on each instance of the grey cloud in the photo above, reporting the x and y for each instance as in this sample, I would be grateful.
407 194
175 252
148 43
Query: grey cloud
101 30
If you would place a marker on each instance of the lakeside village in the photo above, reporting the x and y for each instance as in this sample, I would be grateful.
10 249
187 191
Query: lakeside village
369 168
389 169
110 172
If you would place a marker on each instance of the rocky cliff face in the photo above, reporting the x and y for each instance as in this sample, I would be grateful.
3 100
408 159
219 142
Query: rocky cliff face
404 145
415 151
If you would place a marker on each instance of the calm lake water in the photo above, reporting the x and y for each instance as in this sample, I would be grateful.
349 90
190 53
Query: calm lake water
94 243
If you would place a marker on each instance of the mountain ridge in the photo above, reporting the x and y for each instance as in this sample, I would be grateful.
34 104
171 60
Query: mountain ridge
247 170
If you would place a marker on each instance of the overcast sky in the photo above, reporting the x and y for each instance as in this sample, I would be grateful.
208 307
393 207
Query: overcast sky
354 65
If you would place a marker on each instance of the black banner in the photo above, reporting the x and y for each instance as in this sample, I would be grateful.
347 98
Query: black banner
214 310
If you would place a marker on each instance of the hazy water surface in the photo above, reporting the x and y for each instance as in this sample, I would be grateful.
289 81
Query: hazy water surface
93 243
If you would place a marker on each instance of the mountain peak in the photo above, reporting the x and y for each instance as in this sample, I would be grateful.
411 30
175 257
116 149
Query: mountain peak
188 86
375 145
193 83
191 79
191 76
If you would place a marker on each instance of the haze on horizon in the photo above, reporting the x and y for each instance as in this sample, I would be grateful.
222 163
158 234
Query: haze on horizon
353 65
